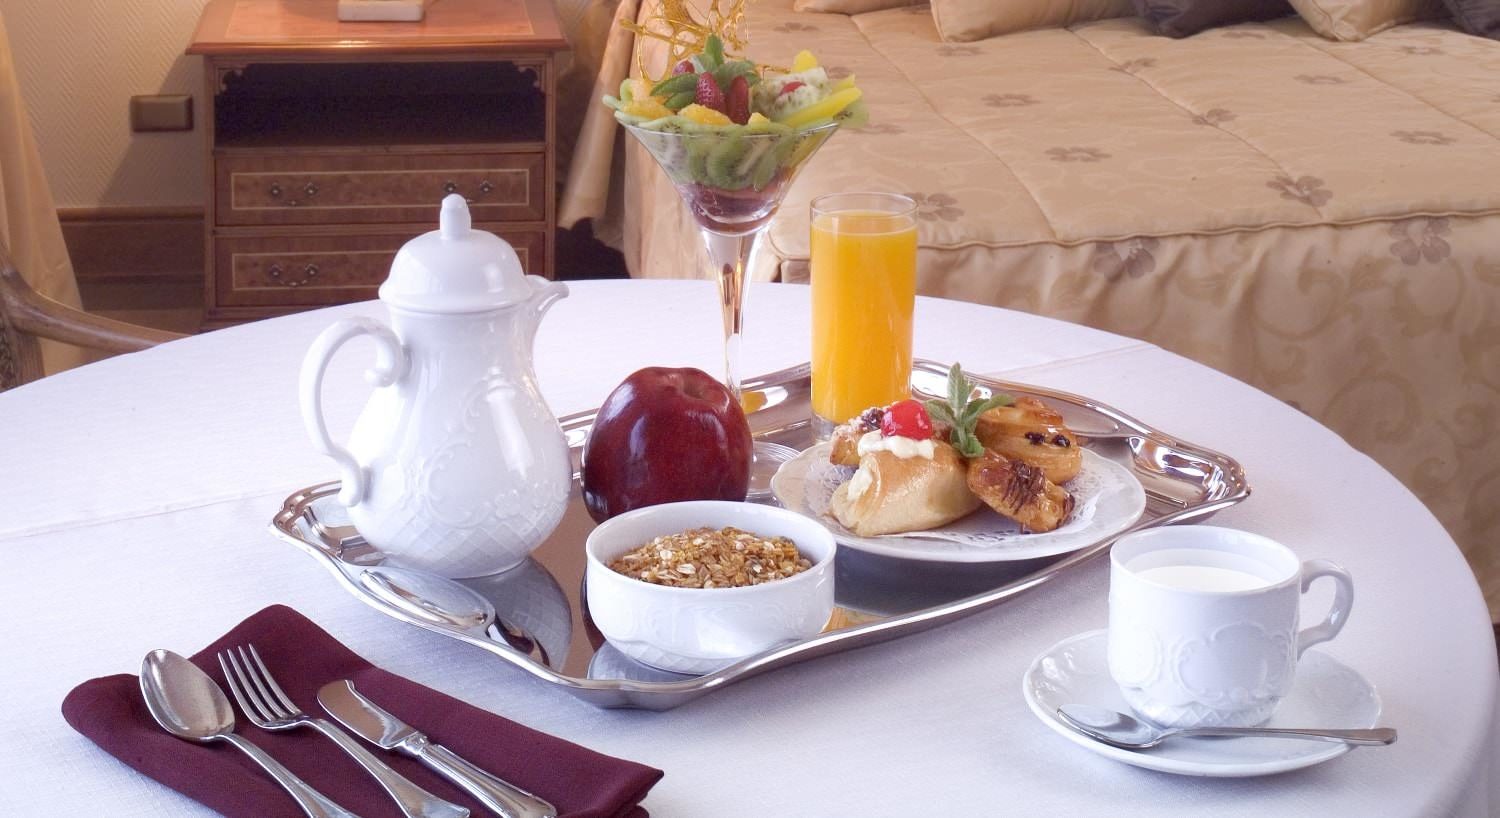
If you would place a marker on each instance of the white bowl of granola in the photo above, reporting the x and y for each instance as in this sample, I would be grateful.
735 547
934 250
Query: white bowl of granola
695 586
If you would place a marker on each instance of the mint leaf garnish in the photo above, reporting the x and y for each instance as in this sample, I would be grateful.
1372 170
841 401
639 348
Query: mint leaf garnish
961 413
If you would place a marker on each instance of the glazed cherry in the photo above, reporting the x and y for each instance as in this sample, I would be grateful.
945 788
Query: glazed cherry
906 418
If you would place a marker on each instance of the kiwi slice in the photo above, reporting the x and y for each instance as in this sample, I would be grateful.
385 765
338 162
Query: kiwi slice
759 147
689 126
666 124
671 152
772 161
805 143
698 153
724 162
855 116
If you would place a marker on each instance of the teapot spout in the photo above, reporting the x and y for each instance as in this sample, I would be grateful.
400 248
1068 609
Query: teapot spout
544 293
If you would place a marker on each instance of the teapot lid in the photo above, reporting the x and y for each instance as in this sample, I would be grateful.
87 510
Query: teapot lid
455 268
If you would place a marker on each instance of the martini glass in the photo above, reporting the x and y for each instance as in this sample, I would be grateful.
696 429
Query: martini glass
732 184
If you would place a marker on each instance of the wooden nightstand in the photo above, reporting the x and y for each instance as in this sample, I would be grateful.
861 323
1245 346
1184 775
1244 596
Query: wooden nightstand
331 144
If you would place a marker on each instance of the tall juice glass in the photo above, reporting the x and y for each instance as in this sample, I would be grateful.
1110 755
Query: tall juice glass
864 285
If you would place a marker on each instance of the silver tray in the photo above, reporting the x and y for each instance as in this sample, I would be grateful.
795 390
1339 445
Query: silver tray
542 626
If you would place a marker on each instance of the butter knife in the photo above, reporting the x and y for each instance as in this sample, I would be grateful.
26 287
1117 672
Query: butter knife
372 723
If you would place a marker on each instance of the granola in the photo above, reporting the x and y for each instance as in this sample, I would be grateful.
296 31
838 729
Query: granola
705 558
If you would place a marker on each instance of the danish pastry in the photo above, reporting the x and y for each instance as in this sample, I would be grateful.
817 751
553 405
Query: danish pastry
1019 490
1033 432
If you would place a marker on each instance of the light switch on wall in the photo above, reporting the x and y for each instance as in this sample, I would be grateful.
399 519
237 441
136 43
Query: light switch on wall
161 112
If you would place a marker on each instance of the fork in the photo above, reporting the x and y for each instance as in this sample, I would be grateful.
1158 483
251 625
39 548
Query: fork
270 708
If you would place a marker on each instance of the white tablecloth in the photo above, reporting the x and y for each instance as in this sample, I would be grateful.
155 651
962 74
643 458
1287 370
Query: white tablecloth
135 495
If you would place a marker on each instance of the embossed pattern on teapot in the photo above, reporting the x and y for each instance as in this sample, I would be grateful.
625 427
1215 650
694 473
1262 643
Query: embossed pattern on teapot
455 466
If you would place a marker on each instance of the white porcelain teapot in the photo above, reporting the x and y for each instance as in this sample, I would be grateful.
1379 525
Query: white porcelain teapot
456 466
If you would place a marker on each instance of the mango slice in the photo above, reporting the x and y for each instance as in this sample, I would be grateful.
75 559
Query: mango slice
823 109
804 61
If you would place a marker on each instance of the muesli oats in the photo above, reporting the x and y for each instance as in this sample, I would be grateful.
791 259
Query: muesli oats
705 558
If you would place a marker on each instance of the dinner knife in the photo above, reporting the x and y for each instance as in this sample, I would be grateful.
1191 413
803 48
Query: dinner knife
372 723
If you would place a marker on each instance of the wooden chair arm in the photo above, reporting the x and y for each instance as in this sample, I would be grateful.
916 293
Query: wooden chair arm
35 314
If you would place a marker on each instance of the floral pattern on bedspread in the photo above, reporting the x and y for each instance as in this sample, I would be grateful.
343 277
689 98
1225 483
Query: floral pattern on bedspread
1318 219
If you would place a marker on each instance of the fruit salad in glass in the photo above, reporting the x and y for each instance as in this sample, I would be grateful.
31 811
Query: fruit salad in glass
730 134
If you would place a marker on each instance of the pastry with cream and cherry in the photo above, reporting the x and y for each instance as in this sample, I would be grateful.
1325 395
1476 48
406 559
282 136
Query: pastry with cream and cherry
921 466
908 479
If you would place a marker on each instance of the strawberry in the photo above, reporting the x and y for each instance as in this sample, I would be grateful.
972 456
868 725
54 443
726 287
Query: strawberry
737 103
906 418
684 67
790 87
709 95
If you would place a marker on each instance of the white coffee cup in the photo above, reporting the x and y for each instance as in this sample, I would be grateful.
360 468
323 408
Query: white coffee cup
1203 623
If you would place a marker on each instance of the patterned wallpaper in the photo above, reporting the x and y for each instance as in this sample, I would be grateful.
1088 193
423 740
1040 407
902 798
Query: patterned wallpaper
79 63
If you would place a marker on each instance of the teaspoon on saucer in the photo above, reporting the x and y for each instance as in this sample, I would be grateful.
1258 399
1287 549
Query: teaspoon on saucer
1129 733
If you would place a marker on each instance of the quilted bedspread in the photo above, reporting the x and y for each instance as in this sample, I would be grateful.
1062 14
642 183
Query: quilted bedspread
1319 219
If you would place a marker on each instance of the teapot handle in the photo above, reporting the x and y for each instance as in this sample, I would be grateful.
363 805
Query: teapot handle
390 365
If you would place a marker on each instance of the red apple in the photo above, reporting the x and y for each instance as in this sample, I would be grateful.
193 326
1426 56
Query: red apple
666 435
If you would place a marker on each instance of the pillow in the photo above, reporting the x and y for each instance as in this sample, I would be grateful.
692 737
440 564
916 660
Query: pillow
1180 18
1480 17
850 6
966 20
1354 20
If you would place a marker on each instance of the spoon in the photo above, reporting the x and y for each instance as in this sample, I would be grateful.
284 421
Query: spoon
441 601
186 703
1129 733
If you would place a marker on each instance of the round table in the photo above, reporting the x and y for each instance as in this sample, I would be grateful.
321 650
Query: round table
135 495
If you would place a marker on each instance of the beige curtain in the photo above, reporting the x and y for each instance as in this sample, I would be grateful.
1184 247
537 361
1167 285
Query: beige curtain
586 195
28 218
587 25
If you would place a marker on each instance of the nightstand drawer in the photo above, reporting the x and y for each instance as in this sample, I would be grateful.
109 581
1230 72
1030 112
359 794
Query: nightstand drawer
311 270
376 189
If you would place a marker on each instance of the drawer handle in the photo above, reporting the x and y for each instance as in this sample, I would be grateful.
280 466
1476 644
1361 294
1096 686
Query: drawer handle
309 272
275 190
310 189
450 187
485 187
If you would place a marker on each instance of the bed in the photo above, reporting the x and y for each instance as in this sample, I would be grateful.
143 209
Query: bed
1319 219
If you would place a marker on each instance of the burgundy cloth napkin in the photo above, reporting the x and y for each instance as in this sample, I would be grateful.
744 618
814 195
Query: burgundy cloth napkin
303 657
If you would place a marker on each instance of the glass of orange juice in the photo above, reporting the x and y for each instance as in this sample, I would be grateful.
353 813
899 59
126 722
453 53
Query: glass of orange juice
864 286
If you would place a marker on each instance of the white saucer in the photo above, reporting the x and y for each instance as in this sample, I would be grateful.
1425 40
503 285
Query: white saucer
1327 693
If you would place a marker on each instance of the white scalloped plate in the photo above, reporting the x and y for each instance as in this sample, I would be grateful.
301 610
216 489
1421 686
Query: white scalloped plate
1112 502
1327 693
